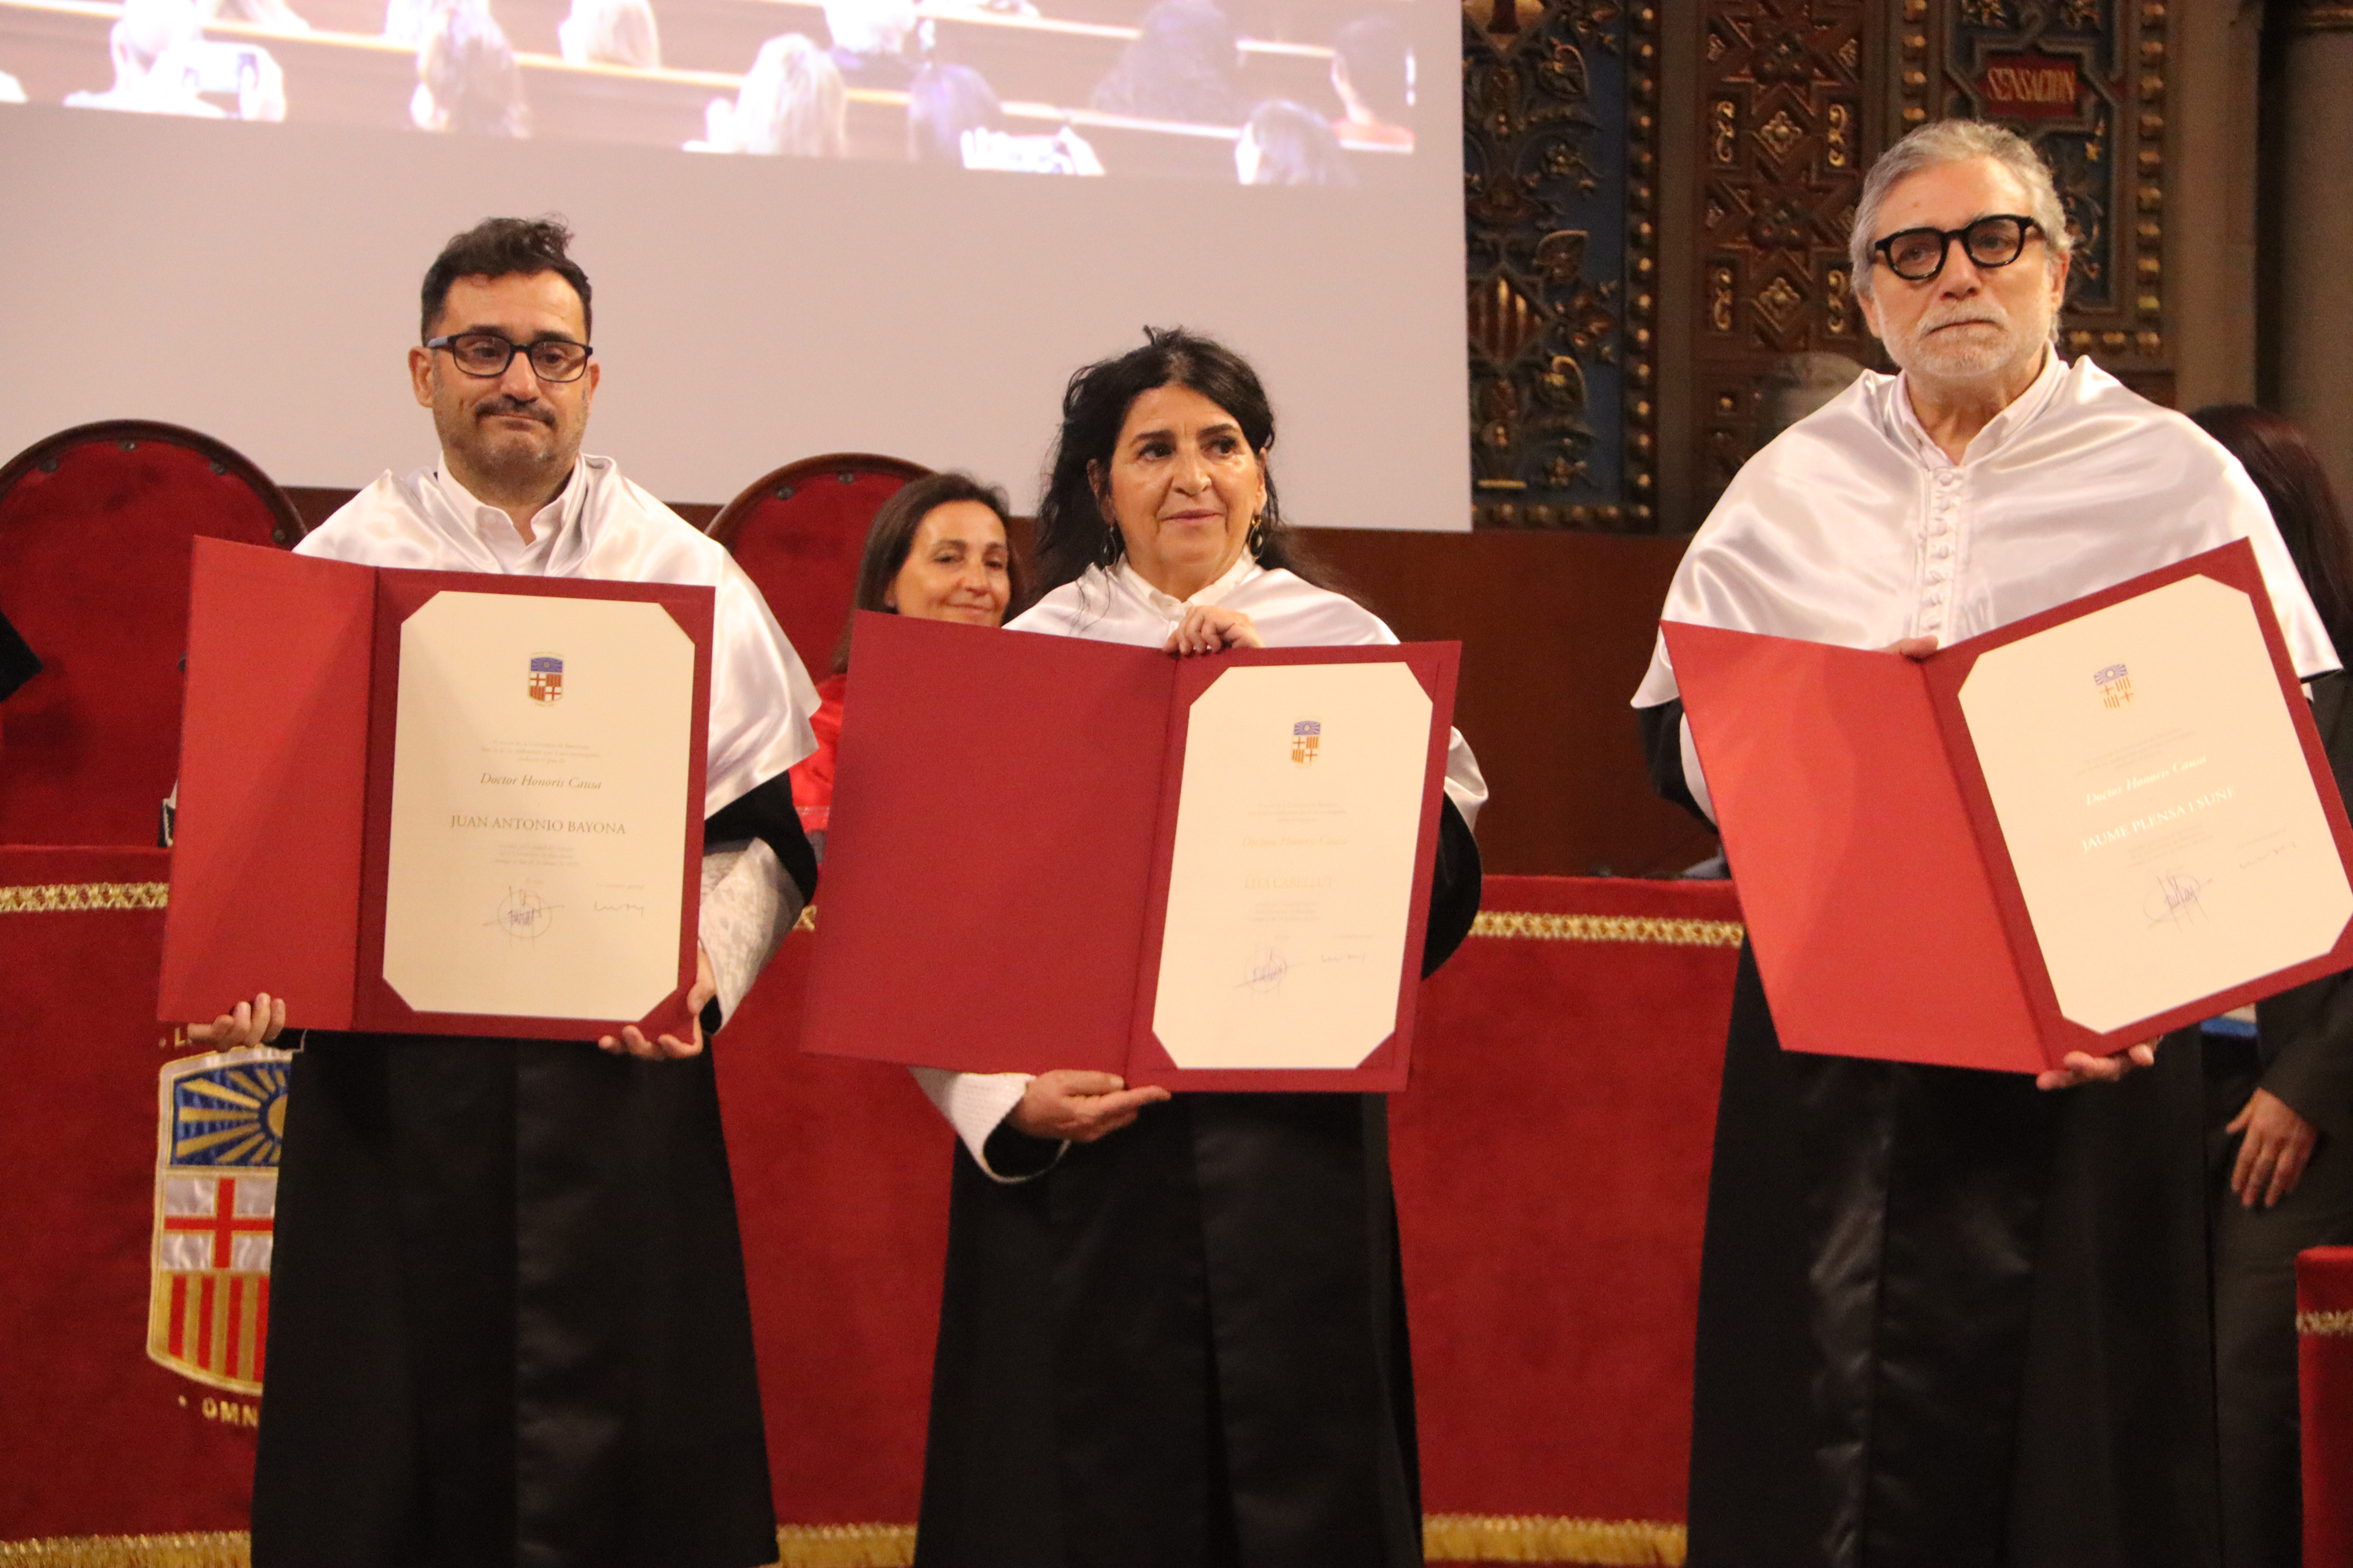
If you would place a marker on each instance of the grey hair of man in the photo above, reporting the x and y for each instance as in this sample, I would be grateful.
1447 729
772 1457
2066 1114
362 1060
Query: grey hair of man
1946 142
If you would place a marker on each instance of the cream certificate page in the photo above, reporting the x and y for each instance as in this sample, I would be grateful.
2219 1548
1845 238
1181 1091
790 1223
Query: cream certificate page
539 790
1291 881
2156 802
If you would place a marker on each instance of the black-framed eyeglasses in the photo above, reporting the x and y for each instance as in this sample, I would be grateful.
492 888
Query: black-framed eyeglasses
1917 254
488 354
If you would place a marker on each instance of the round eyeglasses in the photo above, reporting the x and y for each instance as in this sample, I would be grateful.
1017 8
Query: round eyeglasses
488 354
1917 254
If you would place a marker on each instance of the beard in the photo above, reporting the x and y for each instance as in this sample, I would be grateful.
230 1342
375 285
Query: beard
1939 347
502 456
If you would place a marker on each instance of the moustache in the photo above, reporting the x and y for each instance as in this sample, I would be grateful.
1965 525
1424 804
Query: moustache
498 406
1980 317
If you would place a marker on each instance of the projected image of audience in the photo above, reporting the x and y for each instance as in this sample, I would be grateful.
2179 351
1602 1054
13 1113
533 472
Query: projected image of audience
1286 92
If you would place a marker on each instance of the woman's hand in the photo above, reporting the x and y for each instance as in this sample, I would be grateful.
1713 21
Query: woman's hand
1079 1107
1910 648
2272 1154
2081 1066
1209 629
669 1047
254 1023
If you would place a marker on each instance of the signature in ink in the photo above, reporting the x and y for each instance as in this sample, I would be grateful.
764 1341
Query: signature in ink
2175 899
1267 967
624 909
523 914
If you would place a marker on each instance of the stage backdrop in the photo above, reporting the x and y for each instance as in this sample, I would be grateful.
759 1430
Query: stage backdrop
1551 1164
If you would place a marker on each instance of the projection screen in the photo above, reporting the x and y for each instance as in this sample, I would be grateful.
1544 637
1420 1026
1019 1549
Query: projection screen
855 226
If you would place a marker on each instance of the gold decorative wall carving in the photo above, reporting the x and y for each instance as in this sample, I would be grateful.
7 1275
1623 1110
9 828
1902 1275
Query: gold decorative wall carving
1783 143
1560 105
1785 107
2085 81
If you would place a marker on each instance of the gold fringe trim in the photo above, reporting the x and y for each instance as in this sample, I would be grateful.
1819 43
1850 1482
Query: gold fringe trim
1653 928
207 1549
1446 1538
45 897
1544 1538
846 1545
1609 928
2325 1325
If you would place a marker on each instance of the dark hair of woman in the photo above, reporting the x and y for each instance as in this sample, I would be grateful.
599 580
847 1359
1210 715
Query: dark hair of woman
1180 67
942 103
892 534
1074 530
2279 459
1295 146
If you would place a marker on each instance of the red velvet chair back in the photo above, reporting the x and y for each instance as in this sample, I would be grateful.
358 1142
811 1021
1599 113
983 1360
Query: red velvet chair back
95 530
799 532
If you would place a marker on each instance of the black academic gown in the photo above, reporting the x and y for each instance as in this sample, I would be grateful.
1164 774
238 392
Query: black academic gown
1948 1320
507 1319
1186 1343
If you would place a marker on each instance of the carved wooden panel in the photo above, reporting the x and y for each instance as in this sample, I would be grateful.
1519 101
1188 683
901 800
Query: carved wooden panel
1559 103
1783 144
2084 81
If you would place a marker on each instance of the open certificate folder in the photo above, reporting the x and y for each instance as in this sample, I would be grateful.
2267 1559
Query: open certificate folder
1207 873
2075 833
438 802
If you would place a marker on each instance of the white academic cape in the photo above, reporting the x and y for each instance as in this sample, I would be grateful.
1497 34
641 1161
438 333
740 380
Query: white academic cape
1853 528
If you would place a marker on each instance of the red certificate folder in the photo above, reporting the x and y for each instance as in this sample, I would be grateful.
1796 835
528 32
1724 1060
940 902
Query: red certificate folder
998 858
280 856
1886 912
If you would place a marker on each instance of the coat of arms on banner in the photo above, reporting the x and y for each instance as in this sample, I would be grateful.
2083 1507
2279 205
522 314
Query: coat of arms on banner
546 678
220 1118
1305 737
2115 684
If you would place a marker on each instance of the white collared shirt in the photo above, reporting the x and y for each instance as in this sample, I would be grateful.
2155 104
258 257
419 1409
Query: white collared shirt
497 531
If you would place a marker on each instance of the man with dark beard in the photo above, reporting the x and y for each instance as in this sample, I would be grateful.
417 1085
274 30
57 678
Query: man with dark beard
1955 1319
508 1319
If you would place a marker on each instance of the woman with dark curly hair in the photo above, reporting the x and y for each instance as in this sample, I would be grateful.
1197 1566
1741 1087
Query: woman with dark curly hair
1173 1329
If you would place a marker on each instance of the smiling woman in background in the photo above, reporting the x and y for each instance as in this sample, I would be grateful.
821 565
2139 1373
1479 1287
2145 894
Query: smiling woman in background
1173 1329
936 551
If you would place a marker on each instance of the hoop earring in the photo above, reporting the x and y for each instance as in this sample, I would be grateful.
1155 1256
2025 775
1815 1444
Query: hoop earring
1256 540
1111 547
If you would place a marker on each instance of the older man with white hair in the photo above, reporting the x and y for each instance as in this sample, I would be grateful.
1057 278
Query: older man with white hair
1950 1317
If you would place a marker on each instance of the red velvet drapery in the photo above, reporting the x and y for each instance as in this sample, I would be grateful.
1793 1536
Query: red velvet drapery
1551 1164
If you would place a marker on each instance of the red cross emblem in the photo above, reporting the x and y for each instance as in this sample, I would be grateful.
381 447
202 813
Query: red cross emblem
216 1208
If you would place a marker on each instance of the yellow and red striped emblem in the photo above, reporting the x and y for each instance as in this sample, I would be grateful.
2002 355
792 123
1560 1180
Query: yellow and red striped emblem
220 1118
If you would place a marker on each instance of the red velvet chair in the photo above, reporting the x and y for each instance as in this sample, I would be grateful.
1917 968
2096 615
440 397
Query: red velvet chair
798 532
95 530
2324 1322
